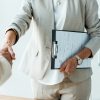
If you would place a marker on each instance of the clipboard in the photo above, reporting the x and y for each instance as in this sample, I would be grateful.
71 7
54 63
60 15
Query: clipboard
66 44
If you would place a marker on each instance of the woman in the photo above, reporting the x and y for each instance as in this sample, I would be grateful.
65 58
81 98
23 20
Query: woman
72 15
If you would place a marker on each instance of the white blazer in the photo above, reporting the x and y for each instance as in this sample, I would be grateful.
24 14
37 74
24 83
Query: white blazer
80 14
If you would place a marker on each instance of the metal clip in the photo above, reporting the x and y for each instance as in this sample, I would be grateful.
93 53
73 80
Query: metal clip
54 49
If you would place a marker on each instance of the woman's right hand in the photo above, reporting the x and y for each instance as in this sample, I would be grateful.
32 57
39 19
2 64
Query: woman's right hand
6 48
7 51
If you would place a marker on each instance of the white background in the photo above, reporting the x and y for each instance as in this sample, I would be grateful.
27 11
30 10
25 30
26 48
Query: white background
19 84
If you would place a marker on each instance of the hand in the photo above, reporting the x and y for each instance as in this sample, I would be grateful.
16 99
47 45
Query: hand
7 51
69 66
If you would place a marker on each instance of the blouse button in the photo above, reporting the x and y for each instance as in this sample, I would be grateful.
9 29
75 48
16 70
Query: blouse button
58 3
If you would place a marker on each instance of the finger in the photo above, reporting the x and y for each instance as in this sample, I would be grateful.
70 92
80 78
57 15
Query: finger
11 52
67 69
3 52
7 56
70 69
62 68
4 49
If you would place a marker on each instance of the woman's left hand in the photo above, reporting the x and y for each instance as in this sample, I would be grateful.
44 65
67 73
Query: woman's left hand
69 65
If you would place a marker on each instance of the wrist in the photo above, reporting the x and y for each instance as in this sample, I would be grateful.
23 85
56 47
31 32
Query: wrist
75 59
12 30
10 37
79 60
85 53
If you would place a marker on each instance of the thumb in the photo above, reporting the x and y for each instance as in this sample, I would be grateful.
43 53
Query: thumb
10 50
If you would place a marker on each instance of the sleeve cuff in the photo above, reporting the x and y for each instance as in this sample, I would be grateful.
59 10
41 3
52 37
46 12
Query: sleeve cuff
93 45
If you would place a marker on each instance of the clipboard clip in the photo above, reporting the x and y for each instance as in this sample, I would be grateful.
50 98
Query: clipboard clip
54 49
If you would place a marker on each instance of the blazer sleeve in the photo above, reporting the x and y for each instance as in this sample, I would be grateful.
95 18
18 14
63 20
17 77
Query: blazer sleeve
22 21
92 24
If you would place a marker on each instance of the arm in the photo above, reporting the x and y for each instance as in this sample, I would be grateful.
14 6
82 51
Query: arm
17 28
10 37
84 53
22 20
6 49
92 24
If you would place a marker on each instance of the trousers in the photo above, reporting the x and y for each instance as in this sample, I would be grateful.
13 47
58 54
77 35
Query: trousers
66 90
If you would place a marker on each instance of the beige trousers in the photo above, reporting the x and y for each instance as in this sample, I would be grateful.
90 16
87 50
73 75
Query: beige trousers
66 90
